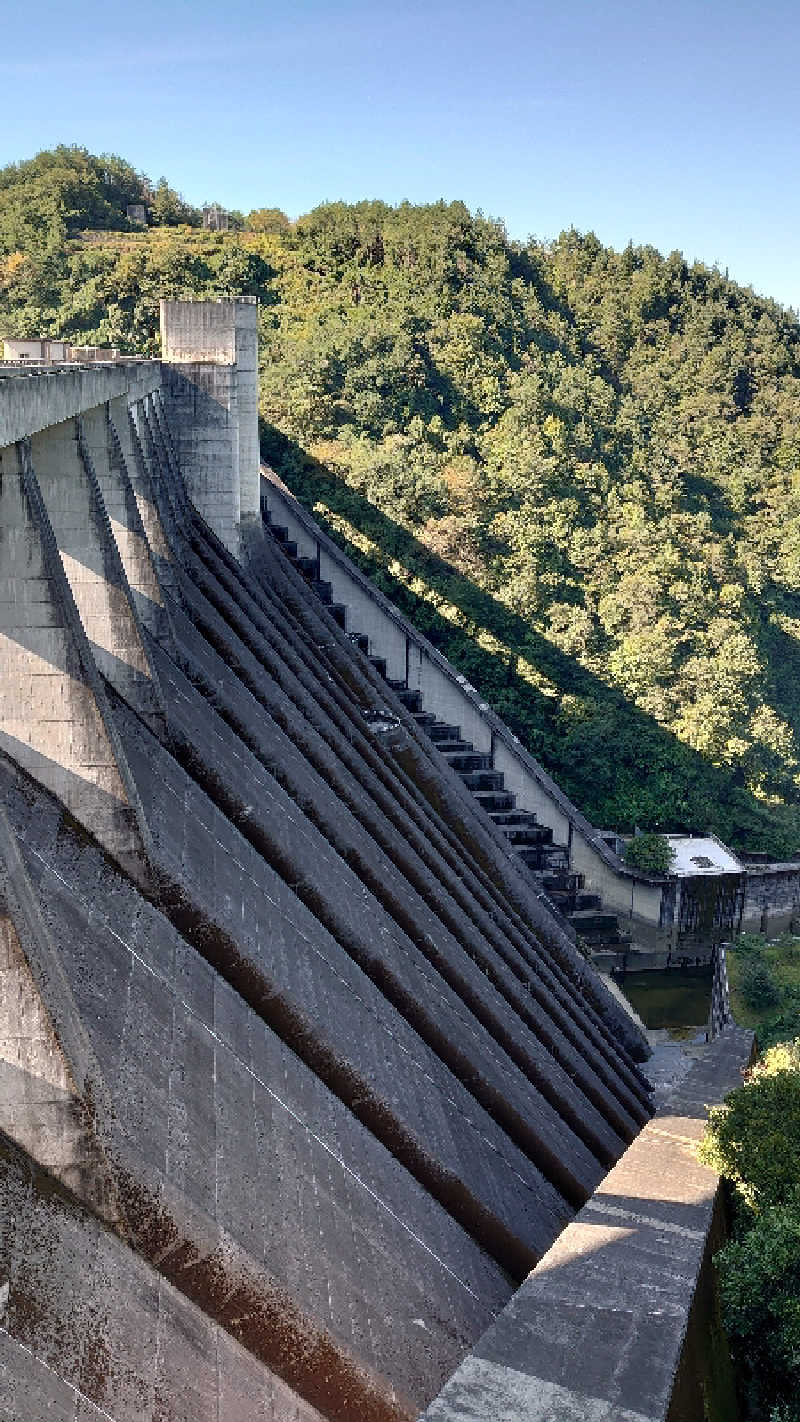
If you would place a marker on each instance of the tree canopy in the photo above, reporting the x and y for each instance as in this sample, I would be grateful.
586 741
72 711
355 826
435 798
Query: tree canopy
577 469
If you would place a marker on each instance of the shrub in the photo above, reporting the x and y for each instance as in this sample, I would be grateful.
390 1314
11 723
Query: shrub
753 1139
750 943
760 1286
758 984
651 852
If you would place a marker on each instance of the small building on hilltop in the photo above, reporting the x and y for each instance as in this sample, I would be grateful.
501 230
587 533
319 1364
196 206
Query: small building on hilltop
215 218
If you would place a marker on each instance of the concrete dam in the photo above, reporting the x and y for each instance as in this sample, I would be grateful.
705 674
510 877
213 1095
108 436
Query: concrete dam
310 1106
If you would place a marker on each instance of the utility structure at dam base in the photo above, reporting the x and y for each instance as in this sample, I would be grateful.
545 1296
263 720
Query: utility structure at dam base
311 1106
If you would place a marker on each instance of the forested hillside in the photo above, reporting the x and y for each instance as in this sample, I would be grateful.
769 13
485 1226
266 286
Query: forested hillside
577 469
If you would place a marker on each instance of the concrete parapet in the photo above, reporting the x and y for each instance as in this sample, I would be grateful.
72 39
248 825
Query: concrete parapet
33 400
606 1327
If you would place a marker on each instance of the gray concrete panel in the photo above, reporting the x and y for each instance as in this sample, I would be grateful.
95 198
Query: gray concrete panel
90 1333
256 930
419 826
31 401
187 1065
51 699
433 988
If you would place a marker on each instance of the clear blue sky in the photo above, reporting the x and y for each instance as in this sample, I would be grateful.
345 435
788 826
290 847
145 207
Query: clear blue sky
674 123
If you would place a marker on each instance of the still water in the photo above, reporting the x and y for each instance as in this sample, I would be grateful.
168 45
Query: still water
672 997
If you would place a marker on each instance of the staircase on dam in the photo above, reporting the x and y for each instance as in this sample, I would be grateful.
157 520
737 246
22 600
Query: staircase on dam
301 1070
532 843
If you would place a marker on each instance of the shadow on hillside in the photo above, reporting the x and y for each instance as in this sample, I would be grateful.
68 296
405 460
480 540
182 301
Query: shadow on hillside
621 768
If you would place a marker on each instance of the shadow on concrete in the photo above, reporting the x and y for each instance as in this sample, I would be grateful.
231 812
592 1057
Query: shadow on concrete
652 779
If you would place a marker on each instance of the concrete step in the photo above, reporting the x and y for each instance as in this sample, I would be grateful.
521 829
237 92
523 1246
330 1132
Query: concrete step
323 590
531 855
445 747
424 720
483 779
494 799
588 901
338 612
593 923
527 834
412 700
566 881
557 859
443 731
307 566
360 640
571 903
519 818
279 532
468 760
379 664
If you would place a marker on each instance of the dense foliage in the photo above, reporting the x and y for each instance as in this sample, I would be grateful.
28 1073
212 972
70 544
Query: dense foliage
652 852
754 1140
73 266
577 469
765 986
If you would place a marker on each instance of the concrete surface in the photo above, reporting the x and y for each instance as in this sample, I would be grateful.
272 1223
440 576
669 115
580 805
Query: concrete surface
308 1057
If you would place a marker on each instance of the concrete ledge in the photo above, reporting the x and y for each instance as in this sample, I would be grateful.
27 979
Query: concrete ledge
32 401
599 1330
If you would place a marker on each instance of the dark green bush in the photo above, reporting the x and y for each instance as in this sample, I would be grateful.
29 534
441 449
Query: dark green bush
758 984
650 852
753 1139
750 943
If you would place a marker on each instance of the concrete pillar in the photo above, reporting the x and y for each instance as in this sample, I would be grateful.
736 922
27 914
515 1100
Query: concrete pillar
104 452
90 559
210 350
39 1105
51 717
122 435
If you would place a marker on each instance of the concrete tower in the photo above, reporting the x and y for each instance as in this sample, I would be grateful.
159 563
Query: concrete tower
212 386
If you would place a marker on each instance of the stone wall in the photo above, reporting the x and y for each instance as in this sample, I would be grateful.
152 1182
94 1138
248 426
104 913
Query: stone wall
772 899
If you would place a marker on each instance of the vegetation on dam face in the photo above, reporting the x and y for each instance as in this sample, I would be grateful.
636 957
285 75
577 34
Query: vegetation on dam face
576 469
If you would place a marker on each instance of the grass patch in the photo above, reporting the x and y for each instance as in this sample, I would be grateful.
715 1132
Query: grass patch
754 961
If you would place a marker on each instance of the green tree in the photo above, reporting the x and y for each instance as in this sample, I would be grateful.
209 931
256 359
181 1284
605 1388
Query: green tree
754 1140
651 852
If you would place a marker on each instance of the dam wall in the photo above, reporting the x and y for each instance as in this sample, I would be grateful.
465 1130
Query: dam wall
300 1076
640 901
